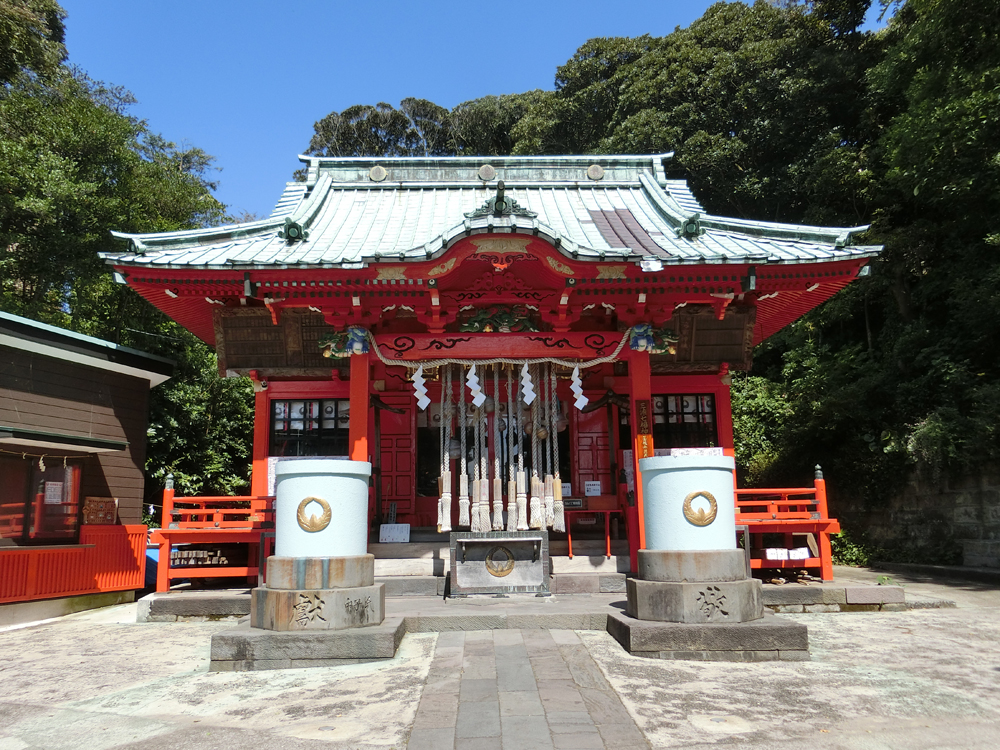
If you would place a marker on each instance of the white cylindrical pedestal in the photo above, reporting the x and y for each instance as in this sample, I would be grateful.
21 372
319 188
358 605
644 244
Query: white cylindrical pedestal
671 482
342 485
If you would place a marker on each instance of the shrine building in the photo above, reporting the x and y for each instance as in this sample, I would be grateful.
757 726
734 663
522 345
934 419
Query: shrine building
581 311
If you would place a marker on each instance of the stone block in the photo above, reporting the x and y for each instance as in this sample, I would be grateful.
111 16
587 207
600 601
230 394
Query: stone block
244 648
298 573
692 565
329 609
775 595
612 583
874 595
646 638
718 601
822 607
169 607
575 583
412 585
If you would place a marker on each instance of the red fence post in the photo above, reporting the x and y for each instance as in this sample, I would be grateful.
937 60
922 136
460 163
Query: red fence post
825 551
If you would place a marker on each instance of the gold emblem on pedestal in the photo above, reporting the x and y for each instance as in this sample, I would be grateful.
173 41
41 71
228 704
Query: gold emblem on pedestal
701 517
312 523
499 567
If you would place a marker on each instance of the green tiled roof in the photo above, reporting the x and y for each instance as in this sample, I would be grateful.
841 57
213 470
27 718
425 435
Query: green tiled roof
418 209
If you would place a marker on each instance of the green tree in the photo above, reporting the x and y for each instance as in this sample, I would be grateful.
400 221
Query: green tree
31 37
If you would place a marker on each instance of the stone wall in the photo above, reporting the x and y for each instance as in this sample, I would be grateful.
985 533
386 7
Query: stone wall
952 520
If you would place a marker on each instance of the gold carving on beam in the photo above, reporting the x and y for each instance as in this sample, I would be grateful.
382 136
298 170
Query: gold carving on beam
442 268
701 517
391 273
558 266
499 567
501 244
611 272
313 524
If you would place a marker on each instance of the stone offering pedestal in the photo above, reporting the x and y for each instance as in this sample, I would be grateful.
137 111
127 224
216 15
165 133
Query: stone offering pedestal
321 605
693 598
500 562
318 593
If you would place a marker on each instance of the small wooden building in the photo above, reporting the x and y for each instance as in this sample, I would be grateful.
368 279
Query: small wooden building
597 274
73 418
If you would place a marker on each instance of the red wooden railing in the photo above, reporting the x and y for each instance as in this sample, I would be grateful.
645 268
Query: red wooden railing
108 558
211 520
789 511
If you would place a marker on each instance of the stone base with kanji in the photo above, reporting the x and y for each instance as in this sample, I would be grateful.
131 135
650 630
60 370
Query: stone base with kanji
317 609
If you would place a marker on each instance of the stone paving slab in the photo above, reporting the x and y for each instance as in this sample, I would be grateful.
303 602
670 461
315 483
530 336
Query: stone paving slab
547 692
909 680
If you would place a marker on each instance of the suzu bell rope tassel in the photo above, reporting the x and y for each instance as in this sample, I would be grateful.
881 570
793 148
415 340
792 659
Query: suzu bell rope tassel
497 478
558 509
522 495
511 472
537 518
484 481
547 498
463 478
446 415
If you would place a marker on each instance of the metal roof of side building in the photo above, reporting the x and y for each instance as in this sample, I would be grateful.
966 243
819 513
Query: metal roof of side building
30 335
351 212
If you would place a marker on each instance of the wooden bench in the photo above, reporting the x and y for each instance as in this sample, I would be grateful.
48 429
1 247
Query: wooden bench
212 520
789 511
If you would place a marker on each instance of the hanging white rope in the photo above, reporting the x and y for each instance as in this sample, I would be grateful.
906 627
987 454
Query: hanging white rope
522 495
548 501
537 516
446 414
484 481
497 477
511 474
558 509
463 478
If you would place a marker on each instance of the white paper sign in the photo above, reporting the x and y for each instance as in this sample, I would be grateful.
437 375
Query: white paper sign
53 493
567 489
394 533
591 489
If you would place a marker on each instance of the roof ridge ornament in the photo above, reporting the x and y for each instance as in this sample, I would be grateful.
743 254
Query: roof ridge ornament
293 231
499 205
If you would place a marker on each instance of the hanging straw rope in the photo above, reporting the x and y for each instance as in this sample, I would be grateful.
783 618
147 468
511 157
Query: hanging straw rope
548 499
463 479
537 512
511 474
522 495
558 509
446 415
484 470
444 466
497 478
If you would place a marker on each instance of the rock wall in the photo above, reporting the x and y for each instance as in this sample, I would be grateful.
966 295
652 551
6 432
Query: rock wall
951 520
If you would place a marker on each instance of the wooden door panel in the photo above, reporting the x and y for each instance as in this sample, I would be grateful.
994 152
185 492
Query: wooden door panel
592 461
398 440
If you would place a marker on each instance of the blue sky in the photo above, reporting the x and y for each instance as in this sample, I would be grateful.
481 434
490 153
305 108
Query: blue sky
245 81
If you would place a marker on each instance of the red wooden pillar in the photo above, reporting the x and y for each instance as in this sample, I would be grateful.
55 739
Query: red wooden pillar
358 429
642 440
261 424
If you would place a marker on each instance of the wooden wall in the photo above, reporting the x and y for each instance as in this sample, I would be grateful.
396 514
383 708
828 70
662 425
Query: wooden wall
42 393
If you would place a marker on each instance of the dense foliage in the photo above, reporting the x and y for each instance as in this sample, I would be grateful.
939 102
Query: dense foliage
786 111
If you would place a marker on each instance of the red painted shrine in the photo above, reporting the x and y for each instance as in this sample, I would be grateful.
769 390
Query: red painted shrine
593 273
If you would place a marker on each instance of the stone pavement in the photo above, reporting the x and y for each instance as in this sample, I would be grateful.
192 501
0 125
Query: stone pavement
915 680
519 689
